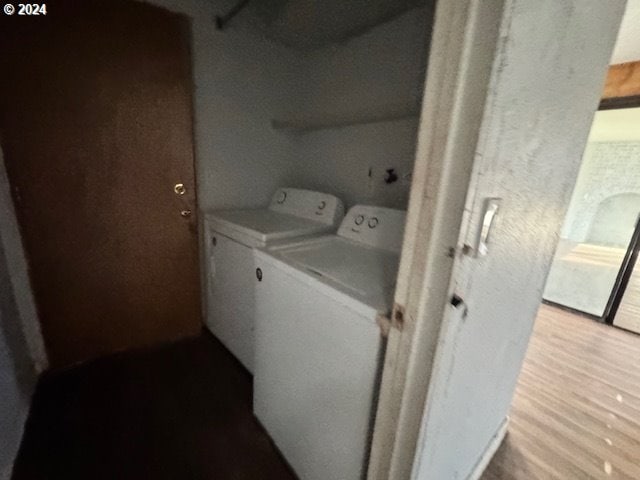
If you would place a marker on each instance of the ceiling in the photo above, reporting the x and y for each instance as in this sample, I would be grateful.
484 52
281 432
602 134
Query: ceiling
310 24
628 45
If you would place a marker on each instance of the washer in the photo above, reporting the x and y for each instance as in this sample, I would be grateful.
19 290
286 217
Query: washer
318 346
230 237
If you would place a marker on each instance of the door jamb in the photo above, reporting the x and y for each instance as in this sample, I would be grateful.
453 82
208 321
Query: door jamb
465 40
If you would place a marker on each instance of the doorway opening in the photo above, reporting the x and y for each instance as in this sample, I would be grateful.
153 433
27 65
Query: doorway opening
592 269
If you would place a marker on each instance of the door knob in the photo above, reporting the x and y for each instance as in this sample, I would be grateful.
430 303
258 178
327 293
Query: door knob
180 189
185 213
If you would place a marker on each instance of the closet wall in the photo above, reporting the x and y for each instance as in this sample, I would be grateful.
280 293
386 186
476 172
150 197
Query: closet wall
374 84
241 158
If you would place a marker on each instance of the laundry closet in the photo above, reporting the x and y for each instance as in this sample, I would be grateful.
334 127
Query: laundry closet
304 177
323 95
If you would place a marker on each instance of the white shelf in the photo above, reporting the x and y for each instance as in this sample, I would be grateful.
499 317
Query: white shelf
308 124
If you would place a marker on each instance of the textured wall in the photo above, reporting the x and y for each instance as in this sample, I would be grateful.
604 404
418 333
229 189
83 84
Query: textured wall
380 72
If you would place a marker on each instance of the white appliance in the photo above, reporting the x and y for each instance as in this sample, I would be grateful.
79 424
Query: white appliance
230 237
318 345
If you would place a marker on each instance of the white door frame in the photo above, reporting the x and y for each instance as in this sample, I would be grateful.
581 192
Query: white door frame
459 71
464 58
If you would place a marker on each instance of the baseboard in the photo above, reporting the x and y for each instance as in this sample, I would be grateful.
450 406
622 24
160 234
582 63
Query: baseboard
491 449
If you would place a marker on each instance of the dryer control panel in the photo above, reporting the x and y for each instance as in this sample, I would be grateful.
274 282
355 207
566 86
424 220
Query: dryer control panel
317 206
374 226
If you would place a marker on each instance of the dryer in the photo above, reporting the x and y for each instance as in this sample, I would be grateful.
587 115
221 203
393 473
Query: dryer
318 345
231 236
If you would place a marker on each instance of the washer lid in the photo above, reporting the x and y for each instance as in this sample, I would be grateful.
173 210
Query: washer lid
369 273
254 227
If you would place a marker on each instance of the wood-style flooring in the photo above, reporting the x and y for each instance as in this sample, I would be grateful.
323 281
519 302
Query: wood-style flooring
576 412
179 412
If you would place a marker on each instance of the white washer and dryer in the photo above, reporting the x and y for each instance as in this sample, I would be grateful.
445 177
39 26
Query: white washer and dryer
318 346
231 236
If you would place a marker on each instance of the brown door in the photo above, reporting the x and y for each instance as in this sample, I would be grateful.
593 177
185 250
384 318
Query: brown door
96 128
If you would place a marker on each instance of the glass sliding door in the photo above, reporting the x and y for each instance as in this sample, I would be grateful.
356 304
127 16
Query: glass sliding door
624 308
628 314
602 215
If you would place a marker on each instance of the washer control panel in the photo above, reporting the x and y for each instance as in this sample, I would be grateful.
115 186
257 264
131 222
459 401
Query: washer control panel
317 206
374 226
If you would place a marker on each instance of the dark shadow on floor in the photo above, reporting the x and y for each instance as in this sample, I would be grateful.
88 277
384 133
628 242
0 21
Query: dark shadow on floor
183 411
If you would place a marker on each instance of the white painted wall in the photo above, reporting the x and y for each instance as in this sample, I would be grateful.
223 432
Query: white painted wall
246 82
338 161
380 72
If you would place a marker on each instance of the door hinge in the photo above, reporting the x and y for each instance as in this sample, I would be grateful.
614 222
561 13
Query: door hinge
397 317
395 320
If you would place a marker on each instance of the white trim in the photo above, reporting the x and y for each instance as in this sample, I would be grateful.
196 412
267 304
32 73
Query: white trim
490 451
463 46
